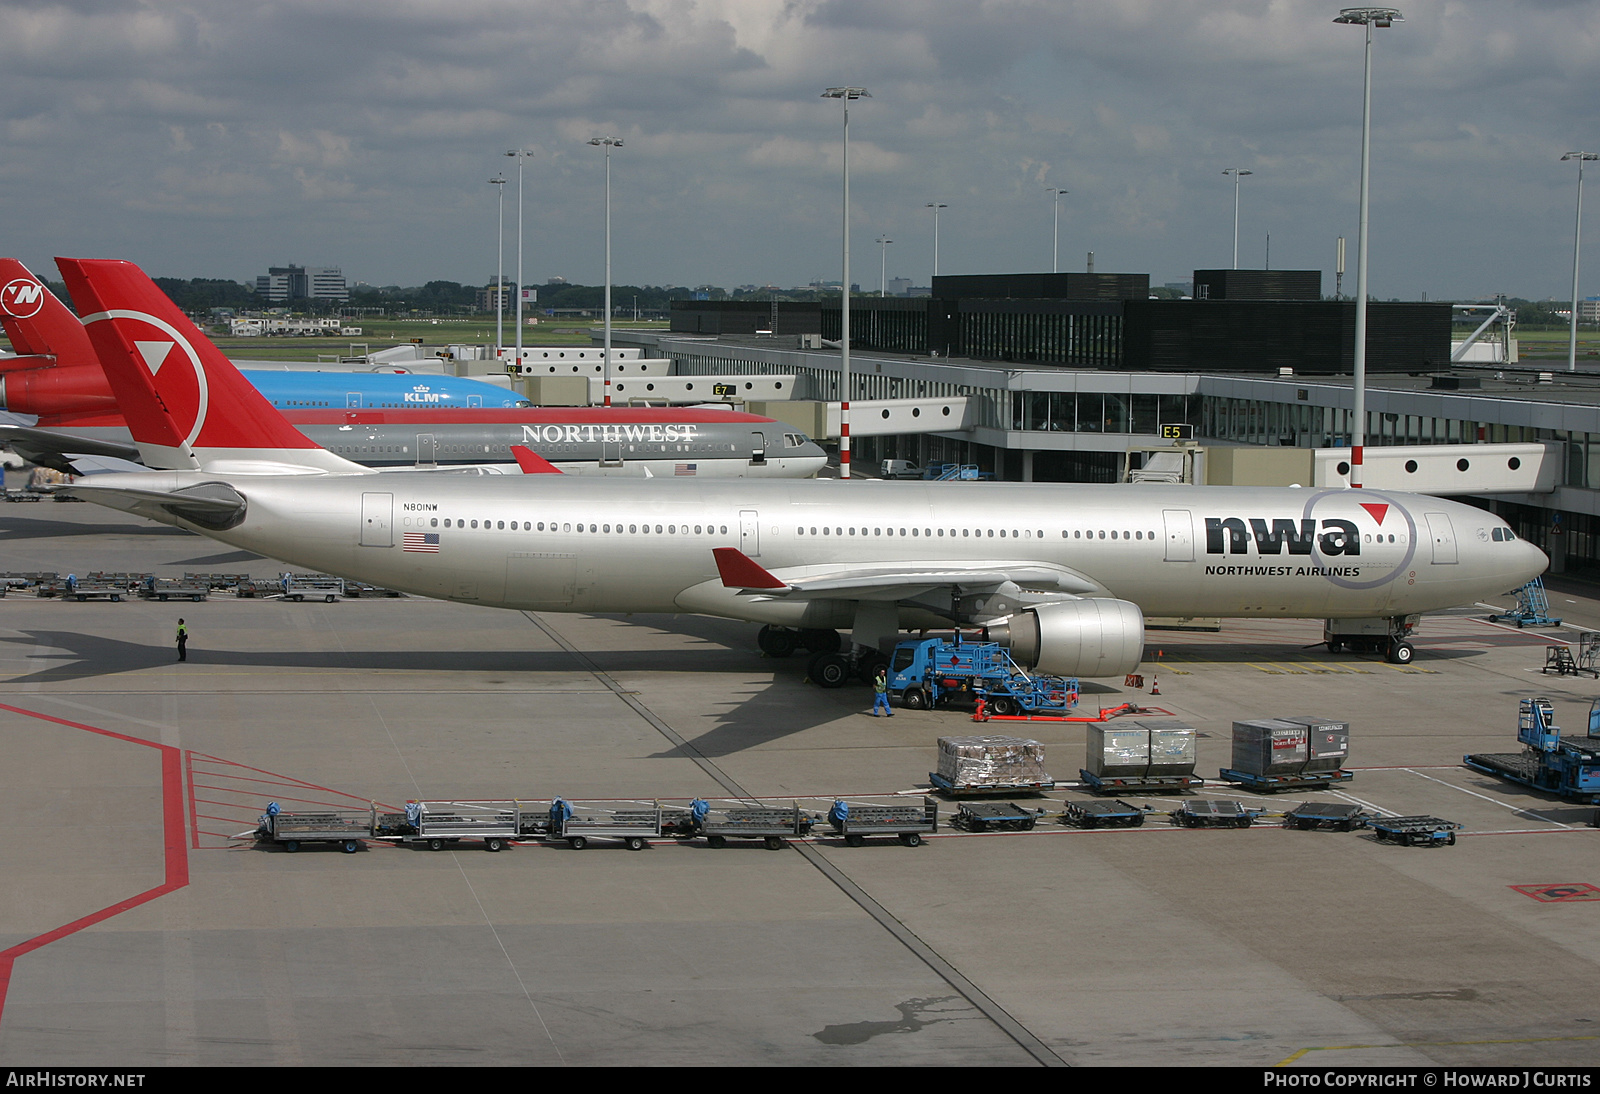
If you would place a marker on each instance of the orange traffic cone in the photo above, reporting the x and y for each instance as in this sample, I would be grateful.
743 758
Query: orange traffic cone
1155 686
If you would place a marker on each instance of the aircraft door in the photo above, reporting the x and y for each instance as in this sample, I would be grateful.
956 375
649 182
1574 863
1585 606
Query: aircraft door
352 398
377 520
758 448
1180 534
427 450
750 532
610 449
1444 538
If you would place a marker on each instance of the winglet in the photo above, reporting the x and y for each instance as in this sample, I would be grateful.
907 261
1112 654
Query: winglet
739 571
532 463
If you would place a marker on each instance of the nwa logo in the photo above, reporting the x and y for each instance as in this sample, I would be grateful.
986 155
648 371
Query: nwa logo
1231 535
21 298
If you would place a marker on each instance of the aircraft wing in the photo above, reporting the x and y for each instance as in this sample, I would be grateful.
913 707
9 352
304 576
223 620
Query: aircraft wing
47 448
898 581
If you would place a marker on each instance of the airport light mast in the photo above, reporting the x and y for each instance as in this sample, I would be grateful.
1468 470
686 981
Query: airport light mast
883 265
1055 238
845 95
520 155
936 206
1577 232
608 143
1235 172
500 271
1368 18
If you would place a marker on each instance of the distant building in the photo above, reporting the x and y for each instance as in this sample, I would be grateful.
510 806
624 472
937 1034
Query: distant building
487 294
283 284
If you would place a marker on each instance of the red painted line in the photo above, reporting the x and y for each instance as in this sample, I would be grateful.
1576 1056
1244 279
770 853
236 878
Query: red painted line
194 820
175 854
275 777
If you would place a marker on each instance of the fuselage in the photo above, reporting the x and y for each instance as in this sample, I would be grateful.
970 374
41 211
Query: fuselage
554 543
677 442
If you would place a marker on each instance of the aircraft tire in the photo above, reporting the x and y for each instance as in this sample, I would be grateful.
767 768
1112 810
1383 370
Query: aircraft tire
1401 653
830 670
871 661
821 641
1335 645
777 641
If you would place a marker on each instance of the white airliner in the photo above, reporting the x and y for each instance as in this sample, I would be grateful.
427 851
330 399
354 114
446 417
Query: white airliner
1065 573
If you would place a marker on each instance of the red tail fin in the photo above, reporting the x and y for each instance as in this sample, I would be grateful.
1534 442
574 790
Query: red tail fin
532 463
176 389
36 322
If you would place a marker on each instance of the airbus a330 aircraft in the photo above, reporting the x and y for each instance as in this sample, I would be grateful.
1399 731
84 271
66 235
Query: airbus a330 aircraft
60 380
1067 573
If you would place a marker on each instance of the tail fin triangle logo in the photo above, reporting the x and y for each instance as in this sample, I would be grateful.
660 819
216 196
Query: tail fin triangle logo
22 298
154 354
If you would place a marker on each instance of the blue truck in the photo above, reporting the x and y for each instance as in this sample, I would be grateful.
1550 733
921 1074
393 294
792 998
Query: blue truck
929 672
1569 768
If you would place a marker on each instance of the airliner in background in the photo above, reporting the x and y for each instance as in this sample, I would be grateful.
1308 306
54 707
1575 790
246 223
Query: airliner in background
379 420
1065 573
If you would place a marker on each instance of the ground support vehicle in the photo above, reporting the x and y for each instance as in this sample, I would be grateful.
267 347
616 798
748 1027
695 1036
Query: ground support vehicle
297 587
437 824
772 825
1102 814
21 579
1532 608
168 588
1142 784
907 822
361 588
1568 768
348 828
1414 831
1212 813
1271 784
217 581
928 672
94 587
23 495
258 587
1325 816
953 472
632 822
995 817
1389 636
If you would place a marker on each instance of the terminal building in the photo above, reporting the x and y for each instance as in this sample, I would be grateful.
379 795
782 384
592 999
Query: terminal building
1064 374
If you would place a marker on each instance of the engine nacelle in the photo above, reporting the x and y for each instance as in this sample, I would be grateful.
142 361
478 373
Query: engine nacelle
1092 637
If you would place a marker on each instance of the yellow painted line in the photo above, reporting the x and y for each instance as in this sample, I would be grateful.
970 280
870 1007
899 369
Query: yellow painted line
1286 1061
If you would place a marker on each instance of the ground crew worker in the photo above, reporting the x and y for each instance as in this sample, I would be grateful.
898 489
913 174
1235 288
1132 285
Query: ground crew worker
183 641
880 687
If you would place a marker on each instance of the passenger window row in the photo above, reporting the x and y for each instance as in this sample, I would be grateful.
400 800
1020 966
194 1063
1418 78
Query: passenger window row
603 529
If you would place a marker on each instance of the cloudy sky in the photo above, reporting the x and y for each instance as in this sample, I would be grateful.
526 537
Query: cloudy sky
215 137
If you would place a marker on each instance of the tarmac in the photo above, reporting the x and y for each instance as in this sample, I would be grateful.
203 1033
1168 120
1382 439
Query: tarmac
136 932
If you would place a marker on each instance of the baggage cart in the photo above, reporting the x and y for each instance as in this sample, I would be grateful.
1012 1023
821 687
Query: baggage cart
348 828
1271 784
1214 813
909 823
93 587
995 817
1139 784
437 824
1102 814
167 588
1325 817
632 822
297 587
774 826
1414 831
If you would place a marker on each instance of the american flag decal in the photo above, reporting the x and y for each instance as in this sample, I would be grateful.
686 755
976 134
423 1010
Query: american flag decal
684 468
420 541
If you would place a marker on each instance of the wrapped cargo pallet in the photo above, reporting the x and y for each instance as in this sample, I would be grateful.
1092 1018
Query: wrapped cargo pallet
991 760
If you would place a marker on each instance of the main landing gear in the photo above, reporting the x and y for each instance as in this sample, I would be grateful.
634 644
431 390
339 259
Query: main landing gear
783 641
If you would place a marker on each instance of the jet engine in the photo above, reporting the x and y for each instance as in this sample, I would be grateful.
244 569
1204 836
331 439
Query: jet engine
1092 637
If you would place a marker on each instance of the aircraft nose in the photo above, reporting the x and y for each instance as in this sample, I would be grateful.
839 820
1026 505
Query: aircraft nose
1532 562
